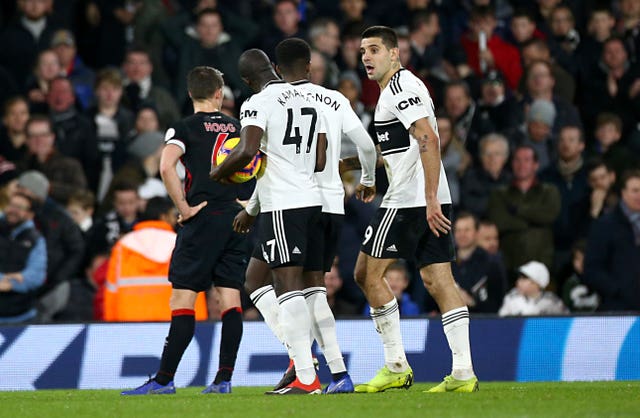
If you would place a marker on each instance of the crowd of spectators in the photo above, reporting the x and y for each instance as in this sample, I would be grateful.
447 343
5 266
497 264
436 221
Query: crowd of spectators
537 104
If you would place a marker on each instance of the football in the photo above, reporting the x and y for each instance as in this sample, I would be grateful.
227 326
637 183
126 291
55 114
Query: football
250 171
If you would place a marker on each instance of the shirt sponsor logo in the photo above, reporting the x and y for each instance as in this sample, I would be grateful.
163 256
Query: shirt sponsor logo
412 101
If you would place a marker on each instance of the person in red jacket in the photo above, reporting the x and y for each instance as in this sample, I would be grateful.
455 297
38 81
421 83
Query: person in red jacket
498 54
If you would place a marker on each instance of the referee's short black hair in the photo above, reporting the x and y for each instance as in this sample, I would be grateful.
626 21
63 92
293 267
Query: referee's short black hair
293 53
203 82
386 34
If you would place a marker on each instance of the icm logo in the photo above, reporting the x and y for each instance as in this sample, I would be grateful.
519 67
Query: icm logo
249 114
383 137
406 103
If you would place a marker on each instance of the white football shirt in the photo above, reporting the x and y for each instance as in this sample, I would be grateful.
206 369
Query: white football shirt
291 125
340 119
403 101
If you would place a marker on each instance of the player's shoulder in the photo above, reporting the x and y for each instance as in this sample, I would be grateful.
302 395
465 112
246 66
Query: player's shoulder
403 82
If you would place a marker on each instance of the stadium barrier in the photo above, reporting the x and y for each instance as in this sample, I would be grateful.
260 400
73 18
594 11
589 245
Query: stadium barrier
114 356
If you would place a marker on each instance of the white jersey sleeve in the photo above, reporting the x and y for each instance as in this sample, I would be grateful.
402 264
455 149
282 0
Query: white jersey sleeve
254 112
410 102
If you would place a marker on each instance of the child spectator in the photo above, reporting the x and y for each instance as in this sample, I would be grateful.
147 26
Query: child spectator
576 295
529 298
81 206
608 133
397 276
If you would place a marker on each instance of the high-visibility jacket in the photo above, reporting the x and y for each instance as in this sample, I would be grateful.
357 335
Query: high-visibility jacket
137 286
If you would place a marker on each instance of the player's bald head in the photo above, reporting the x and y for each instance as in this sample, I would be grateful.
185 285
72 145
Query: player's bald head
253 62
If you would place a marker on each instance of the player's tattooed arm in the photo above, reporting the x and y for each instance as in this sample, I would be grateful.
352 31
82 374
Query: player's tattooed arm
422 139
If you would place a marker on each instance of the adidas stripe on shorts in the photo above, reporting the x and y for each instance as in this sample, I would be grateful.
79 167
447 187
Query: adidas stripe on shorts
283 237
404 233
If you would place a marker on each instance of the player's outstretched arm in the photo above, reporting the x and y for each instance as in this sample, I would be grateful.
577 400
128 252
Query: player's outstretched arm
241 155
168 161
429 144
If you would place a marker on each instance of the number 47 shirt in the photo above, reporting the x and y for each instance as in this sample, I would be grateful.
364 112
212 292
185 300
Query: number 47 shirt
291 125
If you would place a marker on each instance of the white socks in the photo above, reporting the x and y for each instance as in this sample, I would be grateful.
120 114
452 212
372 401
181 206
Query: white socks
456 328
324 327
387 321
265 301
295 322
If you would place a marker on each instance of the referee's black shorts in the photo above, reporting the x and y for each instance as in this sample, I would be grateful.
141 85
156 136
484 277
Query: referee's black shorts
208 252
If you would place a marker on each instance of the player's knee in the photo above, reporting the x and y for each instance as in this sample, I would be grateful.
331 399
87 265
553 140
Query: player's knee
360 275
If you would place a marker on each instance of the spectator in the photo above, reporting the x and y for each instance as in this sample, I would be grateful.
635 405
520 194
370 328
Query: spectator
613 86
564 83
480 277
23 257
611 261
141 258
608 132
602 179
324 35
109 227
538 132
47 68
569 175
397 276
498 54
455 158
524 212
523 28
629 26
82 77
496 112
112 123
339 306
460 107
286 24
64 174
115 29
353 11
13 138
565 37
140 89
575 294
349 85
489 239
529 298
146 121
65 245
600 28
318 68
81 206
213 48
8 182
25 36
540 85
479 182
75 136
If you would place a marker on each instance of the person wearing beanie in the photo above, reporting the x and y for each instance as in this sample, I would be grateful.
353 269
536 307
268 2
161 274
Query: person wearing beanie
528 297
65 245
538 131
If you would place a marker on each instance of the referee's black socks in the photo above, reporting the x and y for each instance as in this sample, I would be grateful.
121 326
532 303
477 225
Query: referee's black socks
183 324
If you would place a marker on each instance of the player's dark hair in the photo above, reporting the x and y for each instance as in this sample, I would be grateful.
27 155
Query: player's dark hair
293 54
386 34
468 215
203 82
156 207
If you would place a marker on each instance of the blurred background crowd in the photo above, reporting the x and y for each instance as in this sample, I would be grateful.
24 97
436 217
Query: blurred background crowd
538 111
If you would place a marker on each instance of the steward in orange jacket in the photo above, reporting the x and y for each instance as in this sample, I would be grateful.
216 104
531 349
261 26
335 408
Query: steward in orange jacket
137 286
